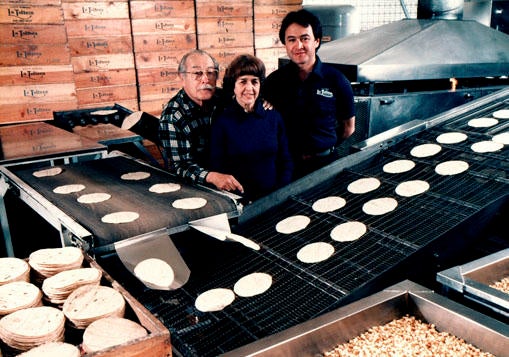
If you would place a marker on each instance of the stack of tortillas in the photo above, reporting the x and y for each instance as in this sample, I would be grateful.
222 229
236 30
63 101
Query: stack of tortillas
31 327
53 349
58 287
50 261
98 335
13 269
89 303
18 295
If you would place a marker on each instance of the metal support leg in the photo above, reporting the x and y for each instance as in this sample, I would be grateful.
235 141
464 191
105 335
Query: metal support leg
4 221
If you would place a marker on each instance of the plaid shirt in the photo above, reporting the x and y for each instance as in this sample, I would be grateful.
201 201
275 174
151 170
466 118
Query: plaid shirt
184 130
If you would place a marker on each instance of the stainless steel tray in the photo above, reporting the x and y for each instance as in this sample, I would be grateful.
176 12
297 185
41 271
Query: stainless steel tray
473 280
322 334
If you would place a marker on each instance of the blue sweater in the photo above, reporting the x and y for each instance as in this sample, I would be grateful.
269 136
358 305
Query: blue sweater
252 147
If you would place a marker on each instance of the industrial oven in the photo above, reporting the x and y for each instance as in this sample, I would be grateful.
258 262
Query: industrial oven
423 234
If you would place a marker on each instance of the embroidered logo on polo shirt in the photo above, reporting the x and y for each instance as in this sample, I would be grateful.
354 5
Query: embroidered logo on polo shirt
324 93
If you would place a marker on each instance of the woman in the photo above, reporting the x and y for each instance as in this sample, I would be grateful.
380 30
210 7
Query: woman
248 141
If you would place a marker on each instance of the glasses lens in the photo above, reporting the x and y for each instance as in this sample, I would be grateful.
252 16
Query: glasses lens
198 75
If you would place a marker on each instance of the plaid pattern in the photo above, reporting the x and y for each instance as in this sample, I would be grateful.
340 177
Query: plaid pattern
184 130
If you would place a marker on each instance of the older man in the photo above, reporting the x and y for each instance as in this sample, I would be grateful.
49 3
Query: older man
184 127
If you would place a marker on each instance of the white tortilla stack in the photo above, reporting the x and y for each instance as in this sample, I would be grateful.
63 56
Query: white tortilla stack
98 335
28 328
53 349
59 286
89 303
13 269
18 295
50 261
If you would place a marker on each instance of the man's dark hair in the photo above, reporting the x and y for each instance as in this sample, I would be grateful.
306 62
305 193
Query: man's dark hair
304 18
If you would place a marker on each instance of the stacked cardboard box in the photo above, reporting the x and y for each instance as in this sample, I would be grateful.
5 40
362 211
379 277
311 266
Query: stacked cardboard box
268 15
225 29
163 31
100 41
35 70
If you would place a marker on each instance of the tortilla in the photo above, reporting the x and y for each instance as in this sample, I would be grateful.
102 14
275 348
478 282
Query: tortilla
98 335
315 252
52 349
363 185
482 122
33 326
155 273
94 197
501 114
328 204
18 295
253 284
425 150
380 206
486 146
502 138
452 167
13 269
89 303
53 171
214 299
189 203
398 166
164 187
120 217
412 188
292 224
66 189
104 112
348 231
451 138
134 176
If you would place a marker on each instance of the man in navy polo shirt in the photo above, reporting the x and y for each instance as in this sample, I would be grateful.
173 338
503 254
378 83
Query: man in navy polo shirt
314 98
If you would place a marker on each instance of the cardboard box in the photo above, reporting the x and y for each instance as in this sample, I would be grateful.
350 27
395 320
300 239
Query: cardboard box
105 78
225 55
95 63
165 25
20 34
26 112
166 59
156 106
274 11
34 54
224 25
164 42
37 93
100 95
95 10
222 40
30 14
224 9
102 27
23 75
161 9
157 74
160 90
84 46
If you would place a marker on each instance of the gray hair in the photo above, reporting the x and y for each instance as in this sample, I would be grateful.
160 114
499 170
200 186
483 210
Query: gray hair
183 62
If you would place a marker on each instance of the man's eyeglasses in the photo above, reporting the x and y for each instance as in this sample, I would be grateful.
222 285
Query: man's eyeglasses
211 74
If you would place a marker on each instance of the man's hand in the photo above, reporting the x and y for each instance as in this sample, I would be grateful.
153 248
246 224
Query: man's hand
224 182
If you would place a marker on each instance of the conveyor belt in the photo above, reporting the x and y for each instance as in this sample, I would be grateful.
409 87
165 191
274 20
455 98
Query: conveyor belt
155 210
397 245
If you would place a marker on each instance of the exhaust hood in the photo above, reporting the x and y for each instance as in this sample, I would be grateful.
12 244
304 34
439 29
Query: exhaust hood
420 49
